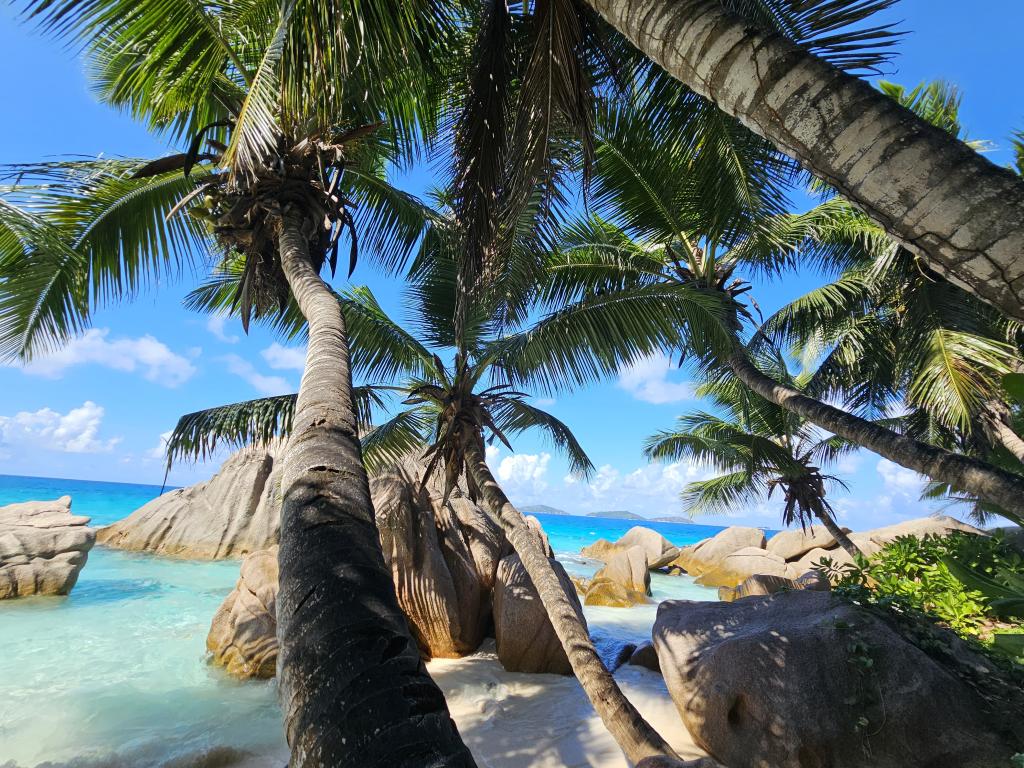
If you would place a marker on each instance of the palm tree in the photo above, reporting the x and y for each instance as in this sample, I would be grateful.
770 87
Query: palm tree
759 448
647 186
959 212
277 102
452 408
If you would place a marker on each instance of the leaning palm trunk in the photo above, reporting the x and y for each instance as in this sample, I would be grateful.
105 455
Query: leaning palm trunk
994 419
634 735
930 191
840 535
989 483
353 687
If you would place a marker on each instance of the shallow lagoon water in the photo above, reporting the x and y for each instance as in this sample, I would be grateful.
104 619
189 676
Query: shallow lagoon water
116 675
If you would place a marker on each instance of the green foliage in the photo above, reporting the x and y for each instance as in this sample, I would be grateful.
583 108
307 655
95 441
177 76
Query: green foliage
929 576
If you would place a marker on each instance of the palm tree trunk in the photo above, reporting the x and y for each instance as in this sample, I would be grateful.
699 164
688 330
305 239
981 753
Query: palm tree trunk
840 535
353 687
1000 431
634 735
934 194
989 483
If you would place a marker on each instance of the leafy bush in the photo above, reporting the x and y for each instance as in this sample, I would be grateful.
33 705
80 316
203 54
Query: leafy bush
928 575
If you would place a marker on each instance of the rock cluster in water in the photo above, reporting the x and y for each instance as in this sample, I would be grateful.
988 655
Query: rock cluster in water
43 548
737 553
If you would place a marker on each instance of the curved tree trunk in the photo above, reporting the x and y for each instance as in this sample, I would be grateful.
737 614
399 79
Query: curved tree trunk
353 687
634 735
994 418
931 192
989 483
840 536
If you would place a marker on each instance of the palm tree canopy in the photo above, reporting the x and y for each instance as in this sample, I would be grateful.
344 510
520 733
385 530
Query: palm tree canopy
756 447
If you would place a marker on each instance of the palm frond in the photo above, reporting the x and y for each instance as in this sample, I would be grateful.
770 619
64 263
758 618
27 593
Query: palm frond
725 494
197 435
513 416
402 434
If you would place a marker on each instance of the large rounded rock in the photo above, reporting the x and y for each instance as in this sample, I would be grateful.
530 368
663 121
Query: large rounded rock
625 580
806 680
525 639
43 548
443 560
243 635
659 550
235 512
741 564
839 557
790 545
705 555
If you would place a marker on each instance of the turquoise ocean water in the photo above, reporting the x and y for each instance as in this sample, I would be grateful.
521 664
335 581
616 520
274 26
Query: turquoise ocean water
115 674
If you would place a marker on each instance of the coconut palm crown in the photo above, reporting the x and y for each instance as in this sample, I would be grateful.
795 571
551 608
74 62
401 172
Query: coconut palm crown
759 448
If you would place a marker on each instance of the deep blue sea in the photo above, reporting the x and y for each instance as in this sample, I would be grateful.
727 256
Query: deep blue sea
115 674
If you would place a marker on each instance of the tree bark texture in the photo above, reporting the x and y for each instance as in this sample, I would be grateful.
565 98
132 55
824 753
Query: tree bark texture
963 214
634 735
353 688
989 483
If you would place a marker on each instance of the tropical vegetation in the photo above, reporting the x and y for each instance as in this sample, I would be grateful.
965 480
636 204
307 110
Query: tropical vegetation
685 126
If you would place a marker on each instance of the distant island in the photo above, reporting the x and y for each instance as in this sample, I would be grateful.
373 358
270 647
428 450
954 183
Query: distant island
674 519
620 514
542 509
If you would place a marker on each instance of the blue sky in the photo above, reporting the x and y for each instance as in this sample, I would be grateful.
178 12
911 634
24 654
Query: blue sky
97 409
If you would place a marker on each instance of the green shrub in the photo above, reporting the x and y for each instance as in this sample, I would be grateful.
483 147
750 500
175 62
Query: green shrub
925 575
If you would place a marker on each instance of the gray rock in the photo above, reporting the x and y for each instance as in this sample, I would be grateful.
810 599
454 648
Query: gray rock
803 678
706 555
443 560
235 512
741 564
43 548
243 634
791 545
645 656
659 550
525 639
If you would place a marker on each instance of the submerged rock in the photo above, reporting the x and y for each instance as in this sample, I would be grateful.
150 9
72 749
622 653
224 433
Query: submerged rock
243 635
43 548
803 679
235 512
525 639
645 656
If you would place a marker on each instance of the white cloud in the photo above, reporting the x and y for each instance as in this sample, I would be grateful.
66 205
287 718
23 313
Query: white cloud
72 432
265 385
544 402
522 475
898 479
285 358
647 380
215 325
160 449
146 354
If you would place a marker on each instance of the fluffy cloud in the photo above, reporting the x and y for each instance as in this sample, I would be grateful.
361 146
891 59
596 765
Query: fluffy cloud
282 358
265 385
215 325
899 480
522 475
648 380
72 432
145 354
